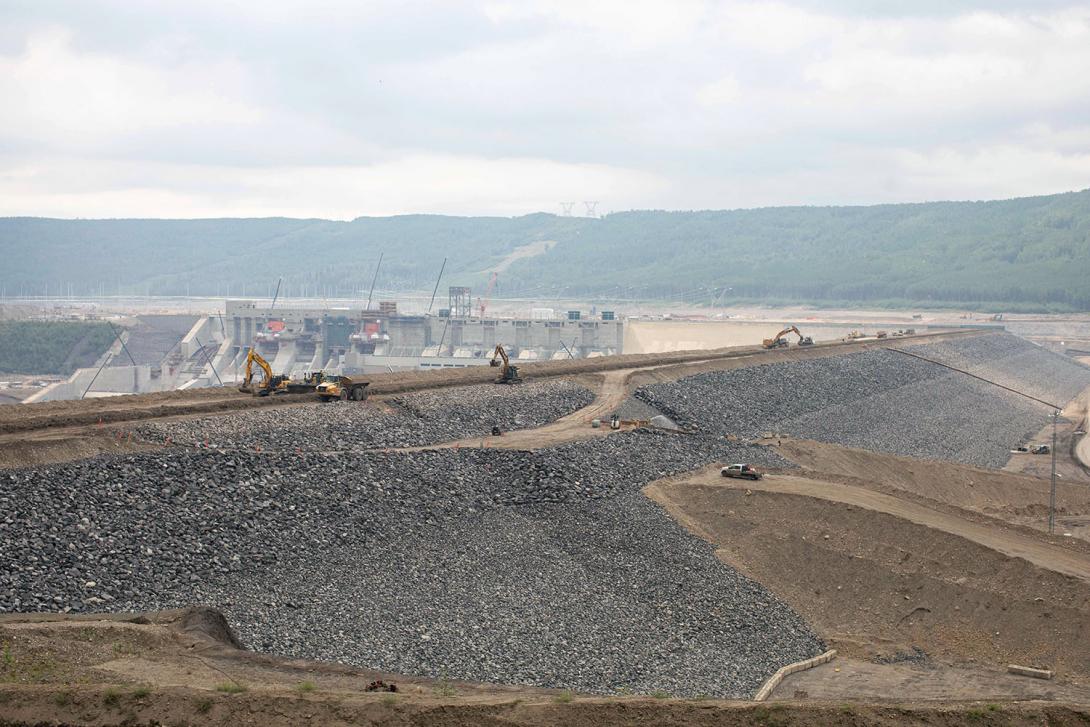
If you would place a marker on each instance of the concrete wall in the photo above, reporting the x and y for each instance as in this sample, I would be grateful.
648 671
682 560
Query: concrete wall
112 380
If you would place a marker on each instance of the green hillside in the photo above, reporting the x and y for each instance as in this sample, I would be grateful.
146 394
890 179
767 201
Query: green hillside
51 347
1019 254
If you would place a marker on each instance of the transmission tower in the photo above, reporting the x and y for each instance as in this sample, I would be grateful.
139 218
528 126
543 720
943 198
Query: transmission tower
567 207
592 208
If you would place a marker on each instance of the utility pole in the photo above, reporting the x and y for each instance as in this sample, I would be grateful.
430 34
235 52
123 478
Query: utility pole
1055 415
1052 489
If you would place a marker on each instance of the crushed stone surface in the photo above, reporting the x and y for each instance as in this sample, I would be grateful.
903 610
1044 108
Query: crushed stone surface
417 419
885 401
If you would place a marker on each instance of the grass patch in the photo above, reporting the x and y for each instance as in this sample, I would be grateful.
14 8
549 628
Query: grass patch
659 694
204 706
111 697
62 699
389 699
122 649
445 689
141 692
230 688
565 697
307 686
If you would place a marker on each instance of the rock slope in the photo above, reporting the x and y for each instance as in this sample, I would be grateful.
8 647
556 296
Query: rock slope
886 401
547 568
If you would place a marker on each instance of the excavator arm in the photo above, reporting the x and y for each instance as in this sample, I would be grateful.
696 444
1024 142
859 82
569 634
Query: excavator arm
500 355
509 374
253 357
778 339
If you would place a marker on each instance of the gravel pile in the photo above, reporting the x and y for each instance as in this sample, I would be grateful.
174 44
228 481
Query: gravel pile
416 419
546 568
885 401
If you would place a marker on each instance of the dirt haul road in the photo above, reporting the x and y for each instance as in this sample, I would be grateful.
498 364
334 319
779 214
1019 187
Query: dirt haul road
1015 544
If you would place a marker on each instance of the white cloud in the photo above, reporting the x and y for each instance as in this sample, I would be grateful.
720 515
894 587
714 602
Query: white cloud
509 107
722 92
52 93
421 183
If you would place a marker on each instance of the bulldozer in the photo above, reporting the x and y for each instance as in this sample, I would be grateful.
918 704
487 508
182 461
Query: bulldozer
509 374
780 342
343 388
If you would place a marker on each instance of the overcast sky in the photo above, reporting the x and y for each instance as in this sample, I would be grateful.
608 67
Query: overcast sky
340 109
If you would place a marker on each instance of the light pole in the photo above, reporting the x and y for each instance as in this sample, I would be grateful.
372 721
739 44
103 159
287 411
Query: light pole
1055 415
1052 489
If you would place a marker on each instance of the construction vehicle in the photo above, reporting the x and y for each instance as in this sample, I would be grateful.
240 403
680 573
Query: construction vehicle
270 384
881 334
275 383
509 374
854 335
741 471
343 388
780 342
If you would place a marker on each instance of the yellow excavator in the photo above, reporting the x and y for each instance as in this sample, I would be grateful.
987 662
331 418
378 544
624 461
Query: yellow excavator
270 384
509 374
780 342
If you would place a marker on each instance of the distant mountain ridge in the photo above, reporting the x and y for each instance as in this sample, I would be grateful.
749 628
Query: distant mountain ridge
1028 253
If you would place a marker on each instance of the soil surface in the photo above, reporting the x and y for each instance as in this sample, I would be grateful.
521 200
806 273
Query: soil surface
928 577
881 577
182 668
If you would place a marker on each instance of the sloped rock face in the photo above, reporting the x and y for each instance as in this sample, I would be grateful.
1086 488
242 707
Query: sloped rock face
885 401
546 568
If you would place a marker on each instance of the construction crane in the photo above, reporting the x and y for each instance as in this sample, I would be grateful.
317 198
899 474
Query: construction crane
509 374
487 297
780 342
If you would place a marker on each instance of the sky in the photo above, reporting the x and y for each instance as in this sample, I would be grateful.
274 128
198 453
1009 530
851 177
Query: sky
339 109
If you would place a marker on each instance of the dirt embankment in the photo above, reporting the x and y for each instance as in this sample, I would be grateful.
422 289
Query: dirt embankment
1013 497
182 667
875 585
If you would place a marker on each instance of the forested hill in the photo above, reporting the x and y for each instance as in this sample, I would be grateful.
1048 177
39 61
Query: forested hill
1019 254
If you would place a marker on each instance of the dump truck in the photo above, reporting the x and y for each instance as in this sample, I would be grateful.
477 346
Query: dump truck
343 388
